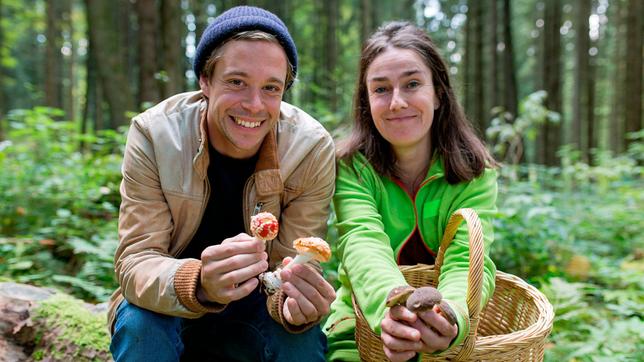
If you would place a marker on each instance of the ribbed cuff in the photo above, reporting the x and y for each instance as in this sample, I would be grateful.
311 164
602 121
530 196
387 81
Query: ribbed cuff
186 280
275 305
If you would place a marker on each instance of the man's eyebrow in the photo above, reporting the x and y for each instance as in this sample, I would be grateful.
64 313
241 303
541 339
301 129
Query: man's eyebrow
240 73
403 75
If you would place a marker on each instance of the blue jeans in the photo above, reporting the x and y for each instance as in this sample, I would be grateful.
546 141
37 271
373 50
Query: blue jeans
244 331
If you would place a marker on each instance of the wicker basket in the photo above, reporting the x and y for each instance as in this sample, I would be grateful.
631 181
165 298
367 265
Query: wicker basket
513 326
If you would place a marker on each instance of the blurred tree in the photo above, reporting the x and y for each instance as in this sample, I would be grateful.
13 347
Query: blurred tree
54 58
633 84
494 54
581 116
367 19
2 76
109 59
475 86
173 31
550 133
618 15
329 74
69 60
200 13
510 101
148 88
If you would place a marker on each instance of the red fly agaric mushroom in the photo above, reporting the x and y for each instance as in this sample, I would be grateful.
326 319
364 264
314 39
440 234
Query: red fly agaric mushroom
264 226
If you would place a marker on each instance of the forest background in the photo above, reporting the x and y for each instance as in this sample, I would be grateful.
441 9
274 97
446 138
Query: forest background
554 86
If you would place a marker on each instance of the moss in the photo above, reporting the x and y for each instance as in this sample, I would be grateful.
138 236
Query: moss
69 329
38 355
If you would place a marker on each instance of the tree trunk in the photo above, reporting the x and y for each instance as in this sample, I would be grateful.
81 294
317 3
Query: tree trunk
68 88
551 63
54 57
331 54
633 85
478 84
127 29
147 14
616 118
198 9
592 134
109 59
467 64
91 87
366 20
494 57
580 95
2 90
173 31
509 69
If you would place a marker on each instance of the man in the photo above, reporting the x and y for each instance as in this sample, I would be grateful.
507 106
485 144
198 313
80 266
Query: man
197 166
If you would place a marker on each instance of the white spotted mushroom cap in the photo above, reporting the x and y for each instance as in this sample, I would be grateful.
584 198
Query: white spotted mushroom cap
315 246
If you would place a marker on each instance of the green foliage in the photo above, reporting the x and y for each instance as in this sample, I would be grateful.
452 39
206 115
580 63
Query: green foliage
591 323
553 214
509 134
61 204
576 231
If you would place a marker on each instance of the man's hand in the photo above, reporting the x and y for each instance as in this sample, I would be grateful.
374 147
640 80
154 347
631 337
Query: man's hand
404 333
308 294
229 270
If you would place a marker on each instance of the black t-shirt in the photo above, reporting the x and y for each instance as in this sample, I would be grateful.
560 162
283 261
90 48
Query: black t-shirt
224 217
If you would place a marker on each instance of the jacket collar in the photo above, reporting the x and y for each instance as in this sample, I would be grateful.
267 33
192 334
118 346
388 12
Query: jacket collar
436 169
268 180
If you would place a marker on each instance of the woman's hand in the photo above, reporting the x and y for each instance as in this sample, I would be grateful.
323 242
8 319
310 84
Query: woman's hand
436 333
400 340
404 333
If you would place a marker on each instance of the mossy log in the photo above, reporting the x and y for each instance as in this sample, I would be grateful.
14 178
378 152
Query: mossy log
39 324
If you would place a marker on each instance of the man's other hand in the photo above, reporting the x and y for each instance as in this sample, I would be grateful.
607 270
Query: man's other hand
309 295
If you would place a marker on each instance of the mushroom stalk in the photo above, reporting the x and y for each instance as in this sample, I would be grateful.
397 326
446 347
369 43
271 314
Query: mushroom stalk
307 249
299 259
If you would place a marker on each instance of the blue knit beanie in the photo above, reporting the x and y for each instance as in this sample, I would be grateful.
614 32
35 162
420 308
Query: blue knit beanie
239 19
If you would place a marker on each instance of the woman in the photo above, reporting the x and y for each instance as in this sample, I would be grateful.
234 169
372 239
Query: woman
411 160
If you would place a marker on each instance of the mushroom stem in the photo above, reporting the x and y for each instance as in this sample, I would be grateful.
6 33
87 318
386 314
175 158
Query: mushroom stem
299 259
271 280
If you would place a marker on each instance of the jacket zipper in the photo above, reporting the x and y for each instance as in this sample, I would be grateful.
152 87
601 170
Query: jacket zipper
247 203
413 201
256 210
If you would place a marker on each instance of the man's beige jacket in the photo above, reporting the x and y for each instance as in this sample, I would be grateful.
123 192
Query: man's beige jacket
165 191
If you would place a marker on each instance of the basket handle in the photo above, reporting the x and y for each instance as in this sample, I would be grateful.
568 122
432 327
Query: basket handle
475 273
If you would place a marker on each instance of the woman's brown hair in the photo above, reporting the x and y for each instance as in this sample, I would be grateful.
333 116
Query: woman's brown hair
464 155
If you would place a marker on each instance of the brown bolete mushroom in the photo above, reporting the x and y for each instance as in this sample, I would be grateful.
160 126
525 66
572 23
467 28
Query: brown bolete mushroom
399 295
425 298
